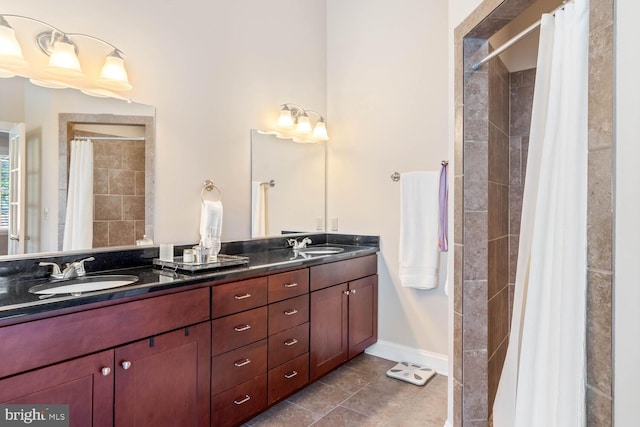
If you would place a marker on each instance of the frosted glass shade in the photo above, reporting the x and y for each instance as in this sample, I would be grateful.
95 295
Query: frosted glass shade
113 74
285 120
63 61
304 125
320 131
10 51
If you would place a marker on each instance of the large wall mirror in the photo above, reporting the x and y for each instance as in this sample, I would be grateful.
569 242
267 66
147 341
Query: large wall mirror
36 127
287 185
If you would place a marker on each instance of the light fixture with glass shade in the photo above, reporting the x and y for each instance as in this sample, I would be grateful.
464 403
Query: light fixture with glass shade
294 123
10 51
64 67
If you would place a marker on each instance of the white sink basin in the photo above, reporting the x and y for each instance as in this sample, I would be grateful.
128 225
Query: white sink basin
321 250
83 284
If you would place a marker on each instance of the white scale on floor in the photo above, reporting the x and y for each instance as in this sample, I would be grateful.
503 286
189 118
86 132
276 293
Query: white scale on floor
414 374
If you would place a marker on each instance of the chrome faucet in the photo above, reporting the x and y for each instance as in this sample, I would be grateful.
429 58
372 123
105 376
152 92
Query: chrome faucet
299 245
72 270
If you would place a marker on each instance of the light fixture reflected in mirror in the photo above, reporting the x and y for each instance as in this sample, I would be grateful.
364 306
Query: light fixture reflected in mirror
10 50
64 69
294 123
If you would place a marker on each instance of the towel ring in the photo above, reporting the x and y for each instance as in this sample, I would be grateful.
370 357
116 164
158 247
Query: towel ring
209 186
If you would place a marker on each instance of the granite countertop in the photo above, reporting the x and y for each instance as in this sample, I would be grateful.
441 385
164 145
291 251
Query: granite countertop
18 304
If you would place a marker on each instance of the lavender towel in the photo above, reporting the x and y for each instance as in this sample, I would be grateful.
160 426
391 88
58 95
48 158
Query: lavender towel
443 229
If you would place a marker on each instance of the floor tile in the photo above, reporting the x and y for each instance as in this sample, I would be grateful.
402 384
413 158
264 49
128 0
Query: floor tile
319 398
285 414
359 394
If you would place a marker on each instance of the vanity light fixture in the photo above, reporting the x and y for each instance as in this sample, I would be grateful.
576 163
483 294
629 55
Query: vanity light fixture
294 123
64 67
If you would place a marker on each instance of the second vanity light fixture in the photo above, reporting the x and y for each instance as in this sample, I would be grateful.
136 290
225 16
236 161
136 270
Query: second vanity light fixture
63 68
294 122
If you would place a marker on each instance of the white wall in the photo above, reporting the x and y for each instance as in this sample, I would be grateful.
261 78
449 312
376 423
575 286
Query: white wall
387 105
213 70
627 199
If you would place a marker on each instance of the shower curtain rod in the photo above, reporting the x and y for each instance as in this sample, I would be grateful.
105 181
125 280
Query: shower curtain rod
514 40
117 138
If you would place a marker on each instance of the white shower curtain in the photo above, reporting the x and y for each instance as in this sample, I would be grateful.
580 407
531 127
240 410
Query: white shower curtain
78 229
543 378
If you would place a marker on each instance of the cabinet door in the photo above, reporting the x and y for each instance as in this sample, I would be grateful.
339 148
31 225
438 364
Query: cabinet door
85 384
164 380
363 314
328 338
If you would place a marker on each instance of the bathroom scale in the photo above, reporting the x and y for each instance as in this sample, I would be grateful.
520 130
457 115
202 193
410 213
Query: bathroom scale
414 374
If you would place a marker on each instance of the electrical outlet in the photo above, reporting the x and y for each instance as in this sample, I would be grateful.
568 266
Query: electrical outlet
334 224
319 224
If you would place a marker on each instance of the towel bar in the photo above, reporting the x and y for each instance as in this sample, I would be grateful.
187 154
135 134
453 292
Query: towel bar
395 177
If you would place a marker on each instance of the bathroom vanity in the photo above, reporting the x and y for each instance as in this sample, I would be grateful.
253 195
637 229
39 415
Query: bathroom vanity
214 348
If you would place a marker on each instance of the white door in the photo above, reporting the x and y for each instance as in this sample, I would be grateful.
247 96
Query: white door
17 238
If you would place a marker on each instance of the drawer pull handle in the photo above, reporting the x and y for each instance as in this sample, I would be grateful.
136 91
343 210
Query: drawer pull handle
245 400
291 342
242 328
241 363
105 371
126 364
245 296
290 312
346 292
290 285
291 375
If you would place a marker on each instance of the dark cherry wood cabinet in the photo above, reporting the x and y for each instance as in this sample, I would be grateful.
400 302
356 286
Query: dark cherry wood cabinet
85 384
329 342
164 380
216 355
363 314
344 312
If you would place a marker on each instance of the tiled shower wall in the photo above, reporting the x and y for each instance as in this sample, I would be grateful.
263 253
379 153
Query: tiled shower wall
498 227
118 192
521 85
470 318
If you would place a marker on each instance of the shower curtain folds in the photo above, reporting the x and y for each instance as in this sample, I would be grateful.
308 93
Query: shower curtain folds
78 230
543 378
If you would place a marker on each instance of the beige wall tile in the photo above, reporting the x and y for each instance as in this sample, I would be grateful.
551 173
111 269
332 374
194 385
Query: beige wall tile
474 316
107 208
133 207
122 182
600 211
121 233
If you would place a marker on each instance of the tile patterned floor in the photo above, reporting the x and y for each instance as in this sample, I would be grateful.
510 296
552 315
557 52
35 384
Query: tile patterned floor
360 394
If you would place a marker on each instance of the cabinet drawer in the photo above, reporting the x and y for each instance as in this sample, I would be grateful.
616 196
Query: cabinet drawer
64 337
288 344
287 378
238 296
237 330
238 366
288 285
325 275
240 403
288 313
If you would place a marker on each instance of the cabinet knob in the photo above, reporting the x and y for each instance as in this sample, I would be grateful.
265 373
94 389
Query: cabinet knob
346 292
126 364
290 285
241 363
245 400
105 371
353 291
245 296
242 328
291 375
290 312
291 342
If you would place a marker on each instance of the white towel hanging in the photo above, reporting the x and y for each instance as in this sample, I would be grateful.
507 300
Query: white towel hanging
419 253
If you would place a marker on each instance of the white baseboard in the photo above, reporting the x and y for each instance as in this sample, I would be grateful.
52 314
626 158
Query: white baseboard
402 353
447 424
